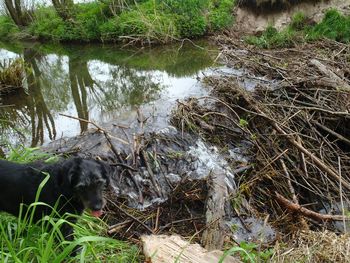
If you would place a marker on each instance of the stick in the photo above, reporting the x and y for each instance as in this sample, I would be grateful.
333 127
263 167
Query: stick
295 208
98 127
131 216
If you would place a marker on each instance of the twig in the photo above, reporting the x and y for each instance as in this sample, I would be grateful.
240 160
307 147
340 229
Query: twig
124 166
98 127
295 208
151 174
131 216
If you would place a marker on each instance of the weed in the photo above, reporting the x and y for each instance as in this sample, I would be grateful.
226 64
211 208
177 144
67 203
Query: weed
25 155
271 38
243 123
249 252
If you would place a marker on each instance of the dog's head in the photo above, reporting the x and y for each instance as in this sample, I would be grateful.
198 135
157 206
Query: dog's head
88 178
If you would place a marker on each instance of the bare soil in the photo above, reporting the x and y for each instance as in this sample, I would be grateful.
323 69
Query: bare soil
251 21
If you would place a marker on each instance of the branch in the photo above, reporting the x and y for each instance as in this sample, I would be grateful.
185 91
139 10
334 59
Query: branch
295 208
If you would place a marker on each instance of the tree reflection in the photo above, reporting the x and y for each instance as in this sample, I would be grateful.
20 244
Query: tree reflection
68 82
40 115
80 80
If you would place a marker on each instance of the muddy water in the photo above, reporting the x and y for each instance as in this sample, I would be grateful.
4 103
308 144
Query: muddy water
101 83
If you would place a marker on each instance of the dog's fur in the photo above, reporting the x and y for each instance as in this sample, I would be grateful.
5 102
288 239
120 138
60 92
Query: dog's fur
75 184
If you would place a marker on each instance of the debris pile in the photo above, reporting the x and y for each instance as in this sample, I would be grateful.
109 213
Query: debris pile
296 121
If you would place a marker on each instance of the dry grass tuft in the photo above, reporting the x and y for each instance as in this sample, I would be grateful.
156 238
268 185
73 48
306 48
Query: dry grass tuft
11 75
310 246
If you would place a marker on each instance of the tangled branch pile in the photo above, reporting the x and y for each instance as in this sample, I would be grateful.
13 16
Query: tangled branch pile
297 120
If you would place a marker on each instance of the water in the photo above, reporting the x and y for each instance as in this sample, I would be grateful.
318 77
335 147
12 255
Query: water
104 84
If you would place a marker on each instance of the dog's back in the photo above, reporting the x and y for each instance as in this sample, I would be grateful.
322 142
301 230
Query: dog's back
18 183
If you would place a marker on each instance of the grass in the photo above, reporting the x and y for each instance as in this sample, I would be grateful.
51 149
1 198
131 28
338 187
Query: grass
11 75
146 21
333 26
23 240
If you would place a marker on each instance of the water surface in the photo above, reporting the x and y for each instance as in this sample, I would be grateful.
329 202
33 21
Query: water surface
104 84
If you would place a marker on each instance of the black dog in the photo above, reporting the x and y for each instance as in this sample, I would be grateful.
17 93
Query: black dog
74 184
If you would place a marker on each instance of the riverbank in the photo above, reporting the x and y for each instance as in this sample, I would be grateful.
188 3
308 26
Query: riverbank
140 22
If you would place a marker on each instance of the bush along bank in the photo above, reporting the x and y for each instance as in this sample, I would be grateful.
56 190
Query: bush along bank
334 26
142 21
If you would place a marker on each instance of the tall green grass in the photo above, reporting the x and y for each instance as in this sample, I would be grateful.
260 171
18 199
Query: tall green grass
24 240
145 21
333 26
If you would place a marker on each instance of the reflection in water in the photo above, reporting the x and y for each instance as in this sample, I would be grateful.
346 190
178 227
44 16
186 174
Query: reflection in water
80 80
40 116
100 83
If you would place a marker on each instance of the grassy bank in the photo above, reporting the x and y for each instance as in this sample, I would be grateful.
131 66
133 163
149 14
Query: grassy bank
334 26
146 21
23 240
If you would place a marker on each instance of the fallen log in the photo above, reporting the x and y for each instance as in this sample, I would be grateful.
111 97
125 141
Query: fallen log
214 233
330 74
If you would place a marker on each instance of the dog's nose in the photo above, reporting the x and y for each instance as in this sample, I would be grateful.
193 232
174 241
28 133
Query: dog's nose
97 207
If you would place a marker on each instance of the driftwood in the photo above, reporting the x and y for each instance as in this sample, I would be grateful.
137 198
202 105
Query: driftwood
165 249
330 74
296 208
214 234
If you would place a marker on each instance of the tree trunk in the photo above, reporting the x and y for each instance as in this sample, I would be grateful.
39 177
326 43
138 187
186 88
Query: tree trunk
64 8
13 12
16 11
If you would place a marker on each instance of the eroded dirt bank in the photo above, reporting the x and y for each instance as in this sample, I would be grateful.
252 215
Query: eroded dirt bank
255 18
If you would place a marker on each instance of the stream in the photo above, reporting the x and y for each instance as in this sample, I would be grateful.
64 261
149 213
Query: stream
100 83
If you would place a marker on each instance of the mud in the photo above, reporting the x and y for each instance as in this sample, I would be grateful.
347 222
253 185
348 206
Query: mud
252 21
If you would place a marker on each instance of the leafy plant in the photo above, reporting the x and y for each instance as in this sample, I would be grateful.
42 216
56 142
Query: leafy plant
24 154
243 123
249 252
144 20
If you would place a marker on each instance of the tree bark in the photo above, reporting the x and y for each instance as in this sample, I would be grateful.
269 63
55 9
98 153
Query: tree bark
64 8
16 11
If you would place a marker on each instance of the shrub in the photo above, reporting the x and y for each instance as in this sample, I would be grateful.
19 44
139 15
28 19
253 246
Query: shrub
48 25
191 27
220 15
189 16
334 26
144 20
7 27
89 18
271 38
144 23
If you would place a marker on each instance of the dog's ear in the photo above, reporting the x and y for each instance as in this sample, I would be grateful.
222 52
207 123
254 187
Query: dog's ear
74 170
69 173
106 171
